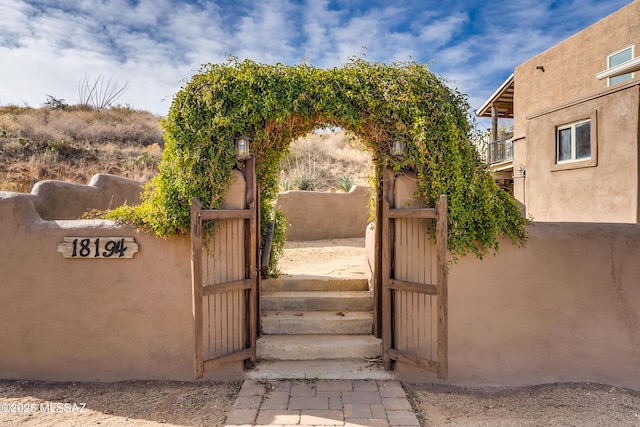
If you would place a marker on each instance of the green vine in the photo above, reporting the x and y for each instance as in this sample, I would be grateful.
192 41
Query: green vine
275 104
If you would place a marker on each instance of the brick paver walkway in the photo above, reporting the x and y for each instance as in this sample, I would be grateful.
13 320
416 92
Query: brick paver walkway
322 403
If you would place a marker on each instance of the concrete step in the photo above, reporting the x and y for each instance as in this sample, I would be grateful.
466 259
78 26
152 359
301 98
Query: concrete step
343 369
317 322
298 283
317 300
311 347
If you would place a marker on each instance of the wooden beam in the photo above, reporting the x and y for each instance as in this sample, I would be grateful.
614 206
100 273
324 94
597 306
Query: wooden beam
222 288
494 122
412 359
377 256
221 361
253 253
413 213
442 303
422 288
196 285
215 214
387 200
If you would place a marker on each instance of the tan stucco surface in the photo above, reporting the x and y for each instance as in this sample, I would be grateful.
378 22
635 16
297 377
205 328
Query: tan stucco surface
64 200
570 67
558 87
92 319
313 215
605 191
565 308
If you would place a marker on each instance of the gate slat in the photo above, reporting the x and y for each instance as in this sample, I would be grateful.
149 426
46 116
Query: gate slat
414 326
196 277
226 287
423 288
224 281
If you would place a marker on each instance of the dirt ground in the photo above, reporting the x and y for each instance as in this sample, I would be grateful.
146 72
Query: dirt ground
332 257
148 403
207 404
577 404
136 403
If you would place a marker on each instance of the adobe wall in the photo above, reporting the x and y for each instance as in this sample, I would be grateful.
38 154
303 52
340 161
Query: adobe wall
64 200
92 319
313 215
565 308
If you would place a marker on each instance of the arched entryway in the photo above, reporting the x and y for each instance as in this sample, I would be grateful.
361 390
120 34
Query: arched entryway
409 120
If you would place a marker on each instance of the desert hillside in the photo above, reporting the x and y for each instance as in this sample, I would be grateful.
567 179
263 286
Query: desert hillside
72 144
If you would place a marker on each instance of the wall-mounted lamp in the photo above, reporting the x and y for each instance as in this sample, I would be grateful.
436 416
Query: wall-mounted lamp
523 172
398 149
242 147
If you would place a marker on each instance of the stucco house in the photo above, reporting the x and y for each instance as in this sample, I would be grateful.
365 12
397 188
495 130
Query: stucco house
574 154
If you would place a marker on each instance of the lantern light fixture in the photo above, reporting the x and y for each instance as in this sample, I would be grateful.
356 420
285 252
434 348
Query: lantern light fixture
398 149
242 147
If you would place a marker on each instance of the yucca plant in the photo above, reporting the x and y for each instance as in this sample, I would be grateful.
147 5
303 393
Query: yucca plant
345 183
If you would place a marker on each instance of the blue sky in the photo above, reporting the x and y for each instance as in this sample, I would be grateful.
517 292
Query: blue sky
47 47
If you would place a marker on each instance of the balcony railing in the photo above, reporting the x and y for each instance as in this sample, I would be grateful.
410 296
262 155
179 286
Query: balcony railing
497 151
500 150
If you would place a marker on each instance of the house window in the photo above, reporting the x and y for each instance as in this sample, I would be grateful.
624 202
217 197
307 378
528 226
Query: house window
573 142
618 58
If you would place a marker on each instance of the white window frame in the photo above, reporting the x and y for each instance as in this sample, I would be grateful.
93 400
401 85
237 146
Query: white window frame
627 76
572 126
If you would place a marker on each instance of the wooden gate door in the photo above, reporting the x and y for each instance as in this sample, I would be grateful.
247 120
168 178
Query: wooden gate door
414 282
225 280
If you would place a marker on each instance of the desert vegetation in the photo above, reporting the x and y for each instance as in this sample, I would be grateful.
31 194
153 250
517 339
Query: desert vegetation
327 160
72 143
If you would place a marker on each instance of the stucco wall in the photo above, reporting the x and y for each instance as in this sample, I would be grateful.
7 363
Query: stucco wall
92 319
313 215
549 89
64 200
606 190
570 67
565 308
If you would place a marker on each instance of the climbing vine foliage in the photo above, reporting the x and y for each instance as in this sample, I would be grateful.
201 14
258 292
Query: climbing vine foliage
275 104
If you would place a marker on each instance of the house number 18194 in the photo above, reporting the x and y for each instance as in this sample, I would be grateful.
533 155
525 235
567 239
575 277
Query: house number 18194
98 247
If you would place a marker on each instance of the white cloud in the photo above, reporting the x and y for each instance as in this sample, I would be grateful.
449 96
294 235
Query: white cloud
439 32
47 46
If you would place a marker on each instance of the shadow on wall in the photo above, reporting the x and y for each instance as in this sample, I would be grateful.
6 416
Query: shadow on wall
313 215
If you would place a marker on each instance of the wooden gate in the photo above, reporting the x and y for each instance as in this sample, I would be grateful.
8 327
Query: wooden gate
414 282
225 281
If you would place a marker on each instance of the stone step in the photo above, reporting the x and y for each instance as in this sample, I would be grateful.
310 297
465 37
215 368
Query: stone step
297 283
317 322
311 347
343 369
317 300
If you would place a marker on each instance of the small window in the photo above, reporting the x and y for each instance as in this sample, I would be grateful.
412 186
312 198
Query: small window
573 142
618 58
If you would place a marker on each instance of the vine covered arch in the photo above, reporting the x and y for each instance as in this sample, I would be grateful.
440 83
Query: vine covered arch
275 104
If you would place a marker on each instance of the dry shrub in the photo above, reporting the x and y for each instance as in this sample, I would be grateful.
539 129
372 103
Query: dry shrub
75 143
322 158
